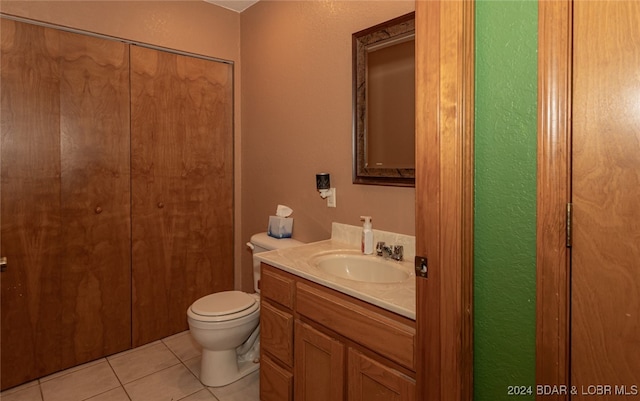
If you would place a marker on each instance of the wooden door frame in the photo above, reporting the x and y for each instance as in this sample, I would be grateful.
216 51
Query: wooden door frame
444 198
554 192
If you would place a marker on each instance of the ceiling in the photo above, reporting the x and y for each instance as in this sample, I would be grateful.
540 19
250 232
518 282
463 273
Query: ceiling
235 5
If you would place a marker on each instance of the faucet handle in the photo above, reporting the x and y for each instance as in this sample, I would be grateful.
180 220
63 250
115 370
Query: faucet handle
398 252
379 248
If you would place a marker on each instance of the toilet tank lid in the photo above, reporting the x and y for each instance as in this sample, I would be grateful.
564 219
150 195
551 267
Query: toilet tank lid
263 240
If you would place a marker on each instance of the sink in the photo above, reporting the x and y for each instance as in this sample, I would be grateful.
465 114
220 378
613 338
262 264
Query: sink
357 267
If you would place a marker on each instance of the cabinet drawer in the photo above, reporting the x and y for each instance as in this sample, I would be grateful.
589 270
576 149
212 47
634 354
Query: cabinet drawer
276 384
373 330
276 333
275 286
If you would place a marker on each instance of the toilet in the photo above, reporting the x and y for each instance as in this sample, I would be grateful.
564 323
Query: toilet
225 324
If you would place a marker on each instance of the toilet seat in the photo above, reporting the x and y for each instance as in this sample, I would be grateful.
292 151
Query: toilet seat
224 306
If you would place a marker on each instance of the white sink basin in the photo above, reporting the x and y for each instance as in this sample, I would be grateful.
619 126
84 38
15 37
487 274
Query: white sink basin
358 267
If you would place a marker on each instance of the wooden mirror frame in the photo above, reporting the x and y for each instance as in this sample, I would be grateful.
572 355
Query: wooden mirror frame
363 174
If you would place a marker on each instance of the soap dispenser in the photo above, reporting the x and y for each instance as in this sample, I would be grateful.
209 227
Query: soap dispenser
367 235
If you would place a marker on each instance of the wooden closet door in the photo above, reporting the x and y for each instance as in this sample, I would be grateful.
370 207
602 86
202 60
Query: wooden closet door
605 255
182 187
95 197
65 147
31 229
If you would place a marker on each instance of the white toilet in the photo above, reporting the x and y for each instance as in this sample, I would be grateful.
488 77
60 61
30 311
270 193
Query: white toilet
225 324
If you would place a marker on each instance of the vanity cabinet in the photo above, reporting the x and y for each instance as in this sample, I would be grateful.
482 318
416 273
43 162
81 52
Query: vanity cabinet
276 336
320 344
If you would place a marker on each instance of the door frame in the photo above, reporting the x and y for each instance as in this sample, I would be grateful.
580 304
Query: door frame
553 282
444 198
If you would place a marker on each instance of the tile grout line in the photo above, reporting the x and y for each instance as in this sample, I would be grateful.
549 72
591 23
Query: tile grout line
71 370
178 346
183 362
189 370
74 370
119 381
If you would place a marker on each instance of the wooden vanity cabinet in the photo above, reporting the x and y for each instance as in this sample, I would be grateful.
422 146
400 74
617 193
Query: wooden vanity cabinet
276 335
318 344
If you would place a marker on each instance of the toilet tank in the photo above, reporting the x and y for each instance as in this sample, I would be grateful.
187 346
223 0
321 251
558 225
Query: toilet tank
262 242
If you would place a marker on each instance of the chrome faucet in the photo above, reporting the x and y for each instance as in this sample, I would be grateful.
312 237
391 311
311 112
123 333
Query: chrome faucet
395 252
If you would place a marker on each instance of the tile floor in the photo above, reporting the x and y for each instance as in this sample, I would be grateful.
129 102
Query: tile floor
166 370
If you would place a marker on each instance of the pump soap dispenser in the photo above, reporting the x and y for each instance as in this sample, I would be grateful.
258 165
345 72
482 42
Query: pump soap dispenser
367 235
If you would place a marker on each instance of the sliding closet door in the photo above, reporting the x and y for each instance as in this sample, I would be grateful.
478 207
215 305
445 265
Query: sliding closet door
182 187
65 200
31 229
95 197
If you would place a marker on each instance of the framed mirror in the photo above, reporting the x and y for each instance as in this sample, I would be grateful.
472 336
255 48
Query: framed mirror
384 103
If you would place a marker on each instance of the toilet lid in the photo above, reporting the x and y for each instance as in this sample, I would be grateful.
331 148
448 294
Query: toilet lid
223 303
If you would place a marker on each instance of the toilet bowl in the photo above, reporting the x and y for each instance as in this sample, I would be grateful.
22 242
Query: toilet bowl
221 323
226 325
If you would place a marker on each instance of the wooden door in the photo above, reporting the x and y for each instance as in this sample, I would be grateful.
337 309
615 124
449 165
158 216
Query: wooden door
31 229
372 381
182 187
64 154
605 254
444 198
95 265
319 365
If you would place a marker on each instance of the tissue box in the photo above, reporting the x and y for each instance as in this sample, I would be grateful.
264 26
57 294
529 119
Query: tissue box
280 227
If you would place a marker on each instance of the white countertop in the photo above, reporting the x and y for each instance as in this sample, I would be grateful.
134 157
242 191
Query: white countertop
395 297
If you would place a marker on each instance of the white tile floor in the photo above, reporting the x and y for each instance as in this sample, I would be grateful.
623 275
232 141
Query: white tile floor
166 370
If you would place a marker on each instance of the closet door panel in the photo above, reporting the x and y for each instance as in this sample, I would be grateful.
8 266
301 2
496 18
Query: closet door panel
30 220
65 153
182 187
95 193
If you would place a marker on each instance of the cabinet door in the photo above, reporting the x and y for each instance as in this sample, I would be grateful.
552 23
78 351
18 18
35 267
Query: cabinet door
65 200
276 383
370 380
182 187
319 365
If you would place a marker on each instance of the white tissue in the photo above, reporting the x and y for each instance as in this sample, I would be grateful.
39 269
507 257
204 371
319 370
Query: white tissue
283 211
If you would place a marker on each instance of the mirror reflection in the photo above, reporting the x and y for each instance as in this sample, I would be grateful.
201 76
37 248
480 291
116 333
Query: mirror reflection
384 99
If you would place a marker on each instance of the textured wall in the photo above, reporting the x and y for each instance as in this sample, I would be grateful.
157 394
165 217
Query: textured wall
505 182
187 25
296 118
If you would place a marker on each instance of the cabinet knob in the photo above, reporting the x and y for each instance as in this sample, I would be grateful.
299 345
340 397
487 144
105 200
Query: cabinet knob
160 205
98 210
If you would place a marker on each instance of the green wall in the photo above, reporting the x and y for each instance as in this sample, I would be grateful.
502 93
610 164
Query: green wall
505 197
